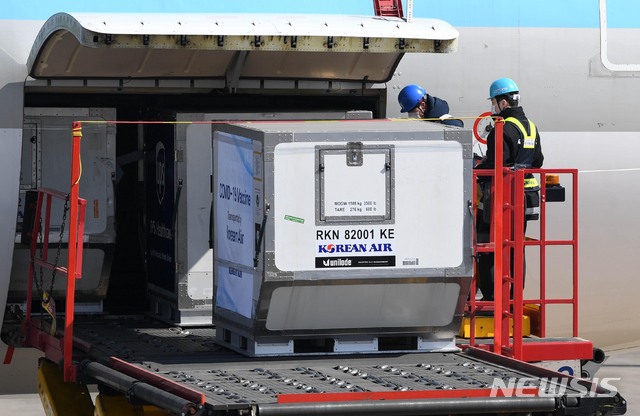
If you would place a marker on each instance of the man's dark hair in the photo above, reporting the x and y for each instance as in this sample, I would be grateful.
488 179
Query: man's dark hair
510 99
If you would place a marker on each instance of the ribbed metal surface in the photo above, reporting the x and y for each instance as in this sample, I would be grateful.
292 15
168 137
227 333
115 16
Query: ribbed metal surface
139 340
262 384
228 380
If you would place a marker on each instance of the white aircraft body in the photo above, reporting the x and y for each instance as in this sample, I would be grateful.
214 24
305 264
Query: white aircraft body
576 63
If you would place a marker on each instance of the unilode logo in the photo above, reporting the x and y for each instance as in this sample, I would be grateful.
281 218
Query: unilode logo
355 248
376 260
336 263
160 171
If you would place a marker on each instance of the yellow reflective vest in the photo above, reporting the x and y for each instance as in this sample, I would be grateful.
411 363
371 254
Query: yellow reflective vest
529 143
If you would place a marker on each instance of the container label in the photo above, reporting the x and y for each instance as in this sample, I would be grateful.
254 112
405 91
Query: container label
234 222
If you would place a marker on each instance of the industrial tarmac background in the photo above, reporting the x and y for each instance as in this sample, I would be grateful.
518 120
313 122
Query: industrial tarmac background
623 362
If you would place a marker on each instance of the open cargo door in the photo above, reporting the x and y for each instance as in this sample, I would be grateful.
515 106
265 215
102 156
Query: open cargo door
231 47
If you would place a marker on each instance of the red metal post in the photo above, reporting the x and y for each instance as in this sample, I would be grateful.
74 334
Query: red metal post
575 253
497 215
543 256
507 246
82 205
518 262
471 306
69 369
8 356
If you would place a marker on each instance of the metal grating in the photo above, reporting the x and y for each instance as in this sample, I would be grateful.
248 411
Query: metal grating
260 384
232 381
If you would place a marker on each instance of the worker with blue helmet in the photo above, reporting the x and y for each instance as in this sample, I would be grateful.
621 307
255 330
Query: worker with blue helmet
521 150
522 147
502 86
415 101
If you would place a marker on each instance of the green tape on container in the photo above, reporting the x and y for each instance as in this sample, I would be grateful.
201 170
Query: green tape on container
294 219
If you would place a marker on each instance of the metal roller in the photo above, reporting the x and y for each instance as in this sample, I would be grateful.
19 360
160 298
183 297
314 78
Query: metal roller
414 407
134 388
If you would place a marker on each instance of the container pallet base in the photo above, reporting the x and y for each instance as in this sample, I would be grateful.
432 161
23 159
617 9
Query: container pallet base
333 345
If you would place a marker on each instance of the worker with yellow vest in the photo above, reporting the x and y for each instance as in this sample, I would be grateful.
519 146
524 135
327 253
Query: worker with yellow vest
521 150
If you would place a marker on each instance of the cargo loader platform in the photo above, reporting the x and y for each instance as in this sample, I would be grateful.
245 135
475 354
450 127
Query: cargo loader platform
188 364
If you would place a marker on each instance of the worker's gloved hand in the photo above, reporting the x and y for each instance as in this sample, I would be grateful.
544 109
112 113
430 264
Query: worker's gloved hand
477 159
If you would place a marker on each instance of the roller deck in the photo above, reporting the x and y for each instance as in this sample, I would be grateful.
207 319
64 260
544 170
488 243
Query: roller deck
188 363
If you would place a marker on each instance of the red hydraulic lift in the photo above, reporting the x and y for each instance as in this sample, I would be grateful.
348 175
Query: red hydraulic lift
507 225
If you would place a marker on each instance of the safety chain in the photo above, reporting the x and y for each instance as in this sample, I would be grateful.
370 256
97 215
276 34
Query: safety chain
47 296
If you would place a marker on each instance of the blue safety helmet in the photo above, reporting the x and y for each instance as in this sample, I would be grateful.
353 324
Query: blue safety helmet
410 96
502 86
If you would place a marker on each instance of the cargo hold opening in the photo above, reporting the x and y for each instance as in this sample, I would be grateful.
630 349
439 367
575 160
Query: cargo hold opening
127 288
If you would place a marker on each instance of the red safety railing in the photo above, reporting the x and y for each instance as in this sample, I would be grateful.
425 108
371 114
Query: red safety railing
58 347
507 234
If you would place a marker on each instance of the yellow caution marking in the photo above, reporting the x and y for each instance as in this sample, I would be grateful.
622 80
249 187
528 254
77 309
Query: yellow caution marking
60 398
119 406
485 329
